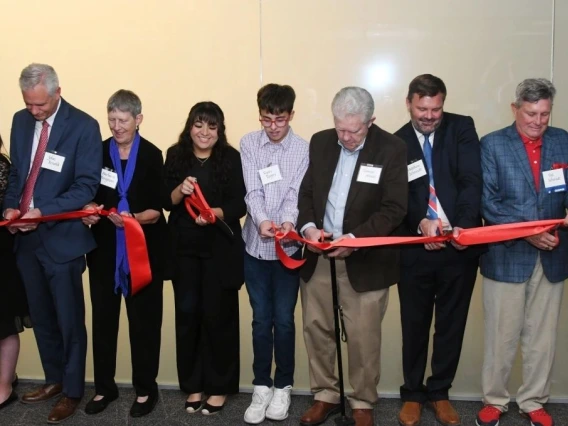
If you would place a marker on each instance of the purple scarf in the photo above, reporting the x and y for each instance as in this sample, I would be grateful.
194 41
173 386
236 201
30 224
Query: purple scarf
122 268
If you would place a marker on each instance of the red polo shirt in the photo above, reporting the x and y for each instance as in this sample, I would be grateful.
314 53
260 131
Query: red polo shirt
533 149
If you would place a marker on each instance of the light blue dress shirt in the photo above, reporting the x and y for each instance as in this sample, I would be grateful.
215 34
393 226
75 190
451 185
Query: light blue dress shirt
337 198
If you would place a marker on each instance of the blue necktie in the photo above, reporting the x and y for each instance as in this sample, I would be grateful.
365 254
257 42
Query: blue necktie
432 212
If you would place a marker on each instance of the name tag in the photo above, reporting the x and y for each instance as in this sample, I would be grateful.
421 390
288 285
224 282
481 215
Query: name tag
109 178
554 180
53 161
416 170
369 173
270 174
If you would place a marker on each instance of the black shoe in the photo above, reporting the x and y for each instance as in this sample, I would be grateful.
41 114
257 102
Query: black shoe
95 407
209 410
140 409
193 407
12 398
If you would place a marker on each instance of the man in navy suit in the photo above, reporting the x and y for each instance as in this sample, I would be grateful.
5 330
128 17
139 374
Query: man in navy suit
524 179
444 174
56 154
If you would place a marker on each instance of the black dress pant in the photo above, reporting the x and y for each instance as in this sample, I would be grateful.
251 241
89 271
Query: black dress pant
207 328
144 325
427 287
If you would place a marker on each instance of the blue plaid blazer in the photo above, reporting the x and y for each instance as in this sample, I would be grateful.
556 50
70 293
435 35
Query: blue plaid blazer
510 195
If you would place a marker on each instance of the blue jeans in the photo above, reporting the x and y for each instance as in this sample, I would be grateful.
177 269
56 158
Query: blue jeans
273 292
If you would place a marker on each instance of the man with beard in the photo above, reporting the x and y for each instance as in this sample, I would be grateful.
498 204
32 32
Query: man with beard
444 182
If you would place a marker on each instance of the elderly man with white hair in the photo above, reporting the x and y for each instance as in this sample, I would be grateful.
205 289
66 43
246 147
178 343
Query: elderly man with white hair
355 186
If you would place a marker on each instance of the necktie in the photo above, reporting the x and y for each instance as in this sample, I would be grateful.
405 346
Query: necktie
432 212
34 171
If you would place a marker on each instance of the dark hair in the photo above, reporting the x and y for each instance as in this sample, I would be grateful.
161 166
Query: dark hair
184 158
276 99
426 85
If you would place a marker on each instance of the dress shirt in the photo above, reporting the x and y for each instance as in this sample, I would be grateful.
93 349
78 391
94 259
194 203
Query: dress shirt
337 197
276 201
35 143
441 214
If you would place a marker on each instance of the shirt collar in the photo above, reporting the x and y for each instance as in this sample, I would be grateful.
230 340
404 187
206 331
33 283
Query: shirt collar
421 136
284 143
536 143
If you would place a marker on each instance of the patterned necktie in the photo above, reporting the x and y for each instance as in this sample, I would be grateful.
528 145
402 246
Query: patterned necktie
34 171
432 212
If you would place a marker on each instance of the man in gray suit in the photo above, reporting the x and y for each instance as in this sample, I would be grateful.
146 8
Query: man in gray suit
524 179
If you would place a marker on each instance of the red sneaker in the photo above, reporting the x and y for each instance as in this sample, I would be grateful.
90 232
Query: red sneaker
539 418
488 416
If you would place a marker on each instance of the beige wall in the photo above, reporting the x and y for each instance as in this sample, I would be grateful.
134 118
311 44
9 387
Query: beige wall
179 52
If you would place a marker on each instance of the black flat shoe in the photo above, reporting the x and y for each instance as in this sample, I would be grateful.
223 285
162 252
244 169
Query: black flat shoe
209 410
12 398
95 407
193 407
140 409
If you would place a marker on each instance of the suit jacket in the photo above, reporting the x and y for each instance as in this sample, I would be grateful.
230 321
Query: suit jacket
510 195
371 210
457 176
75 136
145 192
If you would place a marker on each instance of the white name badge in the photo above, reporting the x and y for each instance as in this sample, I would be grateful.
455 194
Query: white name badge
369 173
109 178
270 174
416 170
53 161
554 180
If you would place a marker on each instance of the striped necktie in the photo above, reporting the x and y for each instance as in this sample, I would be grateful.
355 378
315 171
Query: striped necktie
432 212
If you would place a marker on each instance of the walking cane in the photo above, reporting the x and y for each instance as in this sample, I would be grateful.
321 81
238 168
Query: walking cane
343 420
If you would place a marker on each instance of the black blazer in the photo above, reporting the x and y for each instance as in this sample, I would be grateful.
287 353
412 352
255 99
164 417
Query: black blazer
371 210
226 251
145 192
457 175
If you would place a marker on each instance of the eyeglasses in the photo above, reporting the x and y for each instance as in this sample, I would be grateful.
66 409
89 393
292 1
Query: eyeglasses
279 121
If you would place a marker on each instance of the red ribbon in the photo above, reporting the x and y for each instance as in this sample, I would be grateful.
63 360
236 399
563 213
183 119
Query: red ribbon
466 237
136 251
197 200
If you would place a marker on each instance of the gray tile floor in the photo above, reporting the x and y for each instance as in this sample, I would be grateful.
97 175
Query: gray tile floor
170 411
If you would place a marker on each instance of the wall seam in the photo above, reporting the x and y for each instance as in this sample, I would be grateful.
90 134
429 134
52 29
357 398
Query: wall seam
260 40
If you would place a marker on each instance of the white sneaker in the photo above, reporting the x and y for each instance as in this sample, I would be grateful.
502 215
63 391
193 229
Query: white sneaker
278 408
261 398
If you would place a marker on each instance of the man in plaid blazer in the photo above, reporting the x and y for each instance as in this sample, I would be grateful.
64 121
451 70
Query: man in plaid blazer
524 179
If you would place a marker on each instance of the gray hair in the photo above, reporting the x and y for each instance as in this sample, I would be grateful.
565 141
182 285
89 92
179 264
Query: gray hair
125 101
533 90
353 101
35 74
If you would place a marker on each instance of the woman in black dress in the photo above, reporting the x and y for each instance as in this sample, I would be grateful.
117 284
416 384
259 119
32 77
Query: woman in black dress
208 258
13 306
132 183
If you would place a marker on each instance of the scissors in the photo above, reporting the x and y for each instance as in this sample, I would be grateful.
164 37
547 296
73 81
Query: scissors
196 205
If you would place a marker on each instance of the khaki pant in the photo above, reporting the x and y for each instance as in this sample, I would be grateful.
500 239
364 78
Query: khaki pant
527 312
362 314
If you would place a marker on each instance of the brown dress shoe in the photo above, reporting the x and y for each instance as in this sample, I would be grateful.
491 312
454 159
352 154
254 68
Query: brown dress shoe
410 413
64 409
363 417
445 413
46 392
318 413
